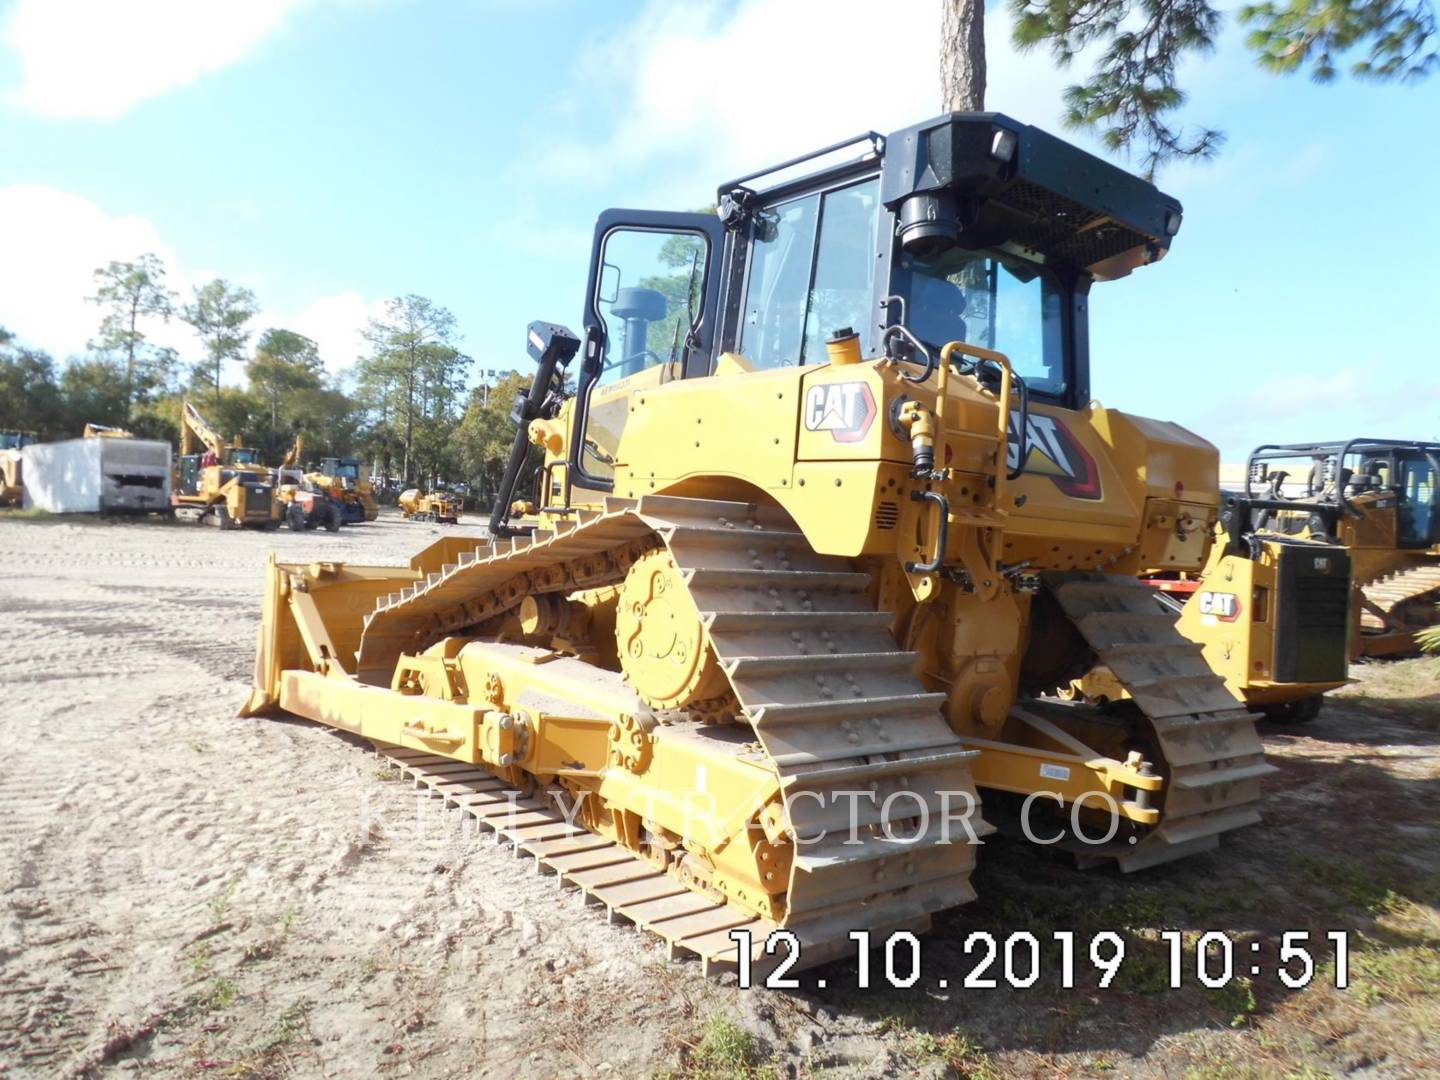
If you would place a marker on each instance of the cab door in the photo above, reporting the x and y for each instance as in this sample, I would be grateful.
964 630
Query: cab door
651 308
1419 522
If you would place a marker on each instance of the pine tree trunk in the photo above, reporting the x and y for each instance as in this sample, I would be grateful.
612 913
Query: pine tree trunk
962 55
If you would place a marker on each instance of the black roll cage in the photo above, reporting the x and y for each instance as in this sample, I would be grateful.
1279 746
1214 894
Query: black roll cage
1337 450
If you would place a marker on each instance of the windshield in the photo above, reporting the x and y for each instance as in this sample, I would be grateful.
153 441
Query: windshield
243 456
994 300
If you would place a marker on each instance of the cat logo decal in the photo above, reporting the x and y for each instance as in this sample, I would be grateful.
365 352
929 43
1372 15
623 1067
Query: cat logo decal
845 409
1054 452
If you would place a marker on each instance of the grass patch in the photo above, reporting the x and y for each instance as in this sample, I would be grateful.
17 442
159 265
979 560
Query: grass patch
1392 973
957 1051
199 960
1404 688
220 902
387 773
1372 887
726 1051
1236 1000
219 994
288 1027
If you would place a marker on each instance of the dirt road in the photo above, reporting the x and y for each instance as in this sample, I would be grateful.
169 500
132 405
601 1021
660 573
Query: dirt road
187 893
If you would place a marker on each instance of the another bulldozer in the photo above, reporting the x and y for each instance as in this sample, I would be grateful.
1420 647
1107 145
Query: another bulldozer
1377 499
441 506
106 431
826 522
348 484
225 485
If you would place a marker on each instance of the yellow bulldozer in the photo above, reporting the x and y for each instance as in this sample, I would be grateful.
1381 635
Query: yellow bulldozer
348 484
827 521
225 485
106 431
436 505
1378 500
12 478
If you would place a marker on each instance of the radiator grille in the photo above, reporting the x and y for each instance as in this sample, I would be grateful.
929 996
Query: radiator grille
886 515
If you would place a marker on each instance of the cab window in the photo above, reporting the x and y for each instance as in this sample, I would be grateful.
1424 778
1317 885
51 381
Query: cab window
648 294
1419 522
994 300
812 272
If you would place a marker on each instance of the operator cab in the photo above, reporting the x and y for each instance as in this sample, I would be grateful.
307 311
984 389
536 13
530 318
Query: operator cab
969 227
343 469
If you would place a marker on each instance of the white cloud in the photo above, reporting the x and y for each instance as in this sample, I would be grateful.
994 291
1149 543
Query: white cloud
56 240
709 91
99 58
1343 403
335 323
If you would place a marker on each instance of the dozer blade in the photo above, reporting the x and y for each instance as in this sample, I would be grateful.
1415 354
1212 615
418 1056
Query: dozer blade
1212 757
1396 606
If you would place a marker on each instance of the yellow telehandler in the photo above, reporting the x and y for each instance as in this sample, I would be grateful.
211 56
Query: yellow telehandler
225 485
827 519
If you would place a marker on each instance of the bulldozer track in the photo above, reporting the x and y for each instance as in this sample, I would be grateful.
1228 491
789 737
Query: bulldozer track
832 700
605 872
1213 756
1391 601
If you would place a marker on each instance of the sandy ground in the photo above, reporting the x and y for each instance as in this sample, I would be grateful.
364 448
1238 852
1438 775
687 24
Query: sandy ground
186 893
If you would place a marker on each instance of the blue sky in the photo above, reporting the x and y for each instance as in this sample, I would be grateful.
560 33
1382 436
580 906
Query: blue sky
329 154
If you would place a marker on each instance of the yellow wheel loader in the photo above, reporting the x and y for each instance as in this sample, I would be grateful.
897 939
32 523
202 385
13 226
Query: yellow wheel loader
225 485
828 517
441 506
12 481
1378 500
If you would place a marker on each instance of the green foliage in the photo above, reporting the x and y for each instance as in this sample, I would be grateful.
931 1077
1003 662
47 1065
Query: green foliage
29 393
727 1051
1132 91
218 314
486 434
130 292
93 391
411 385
290 395
1286 37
